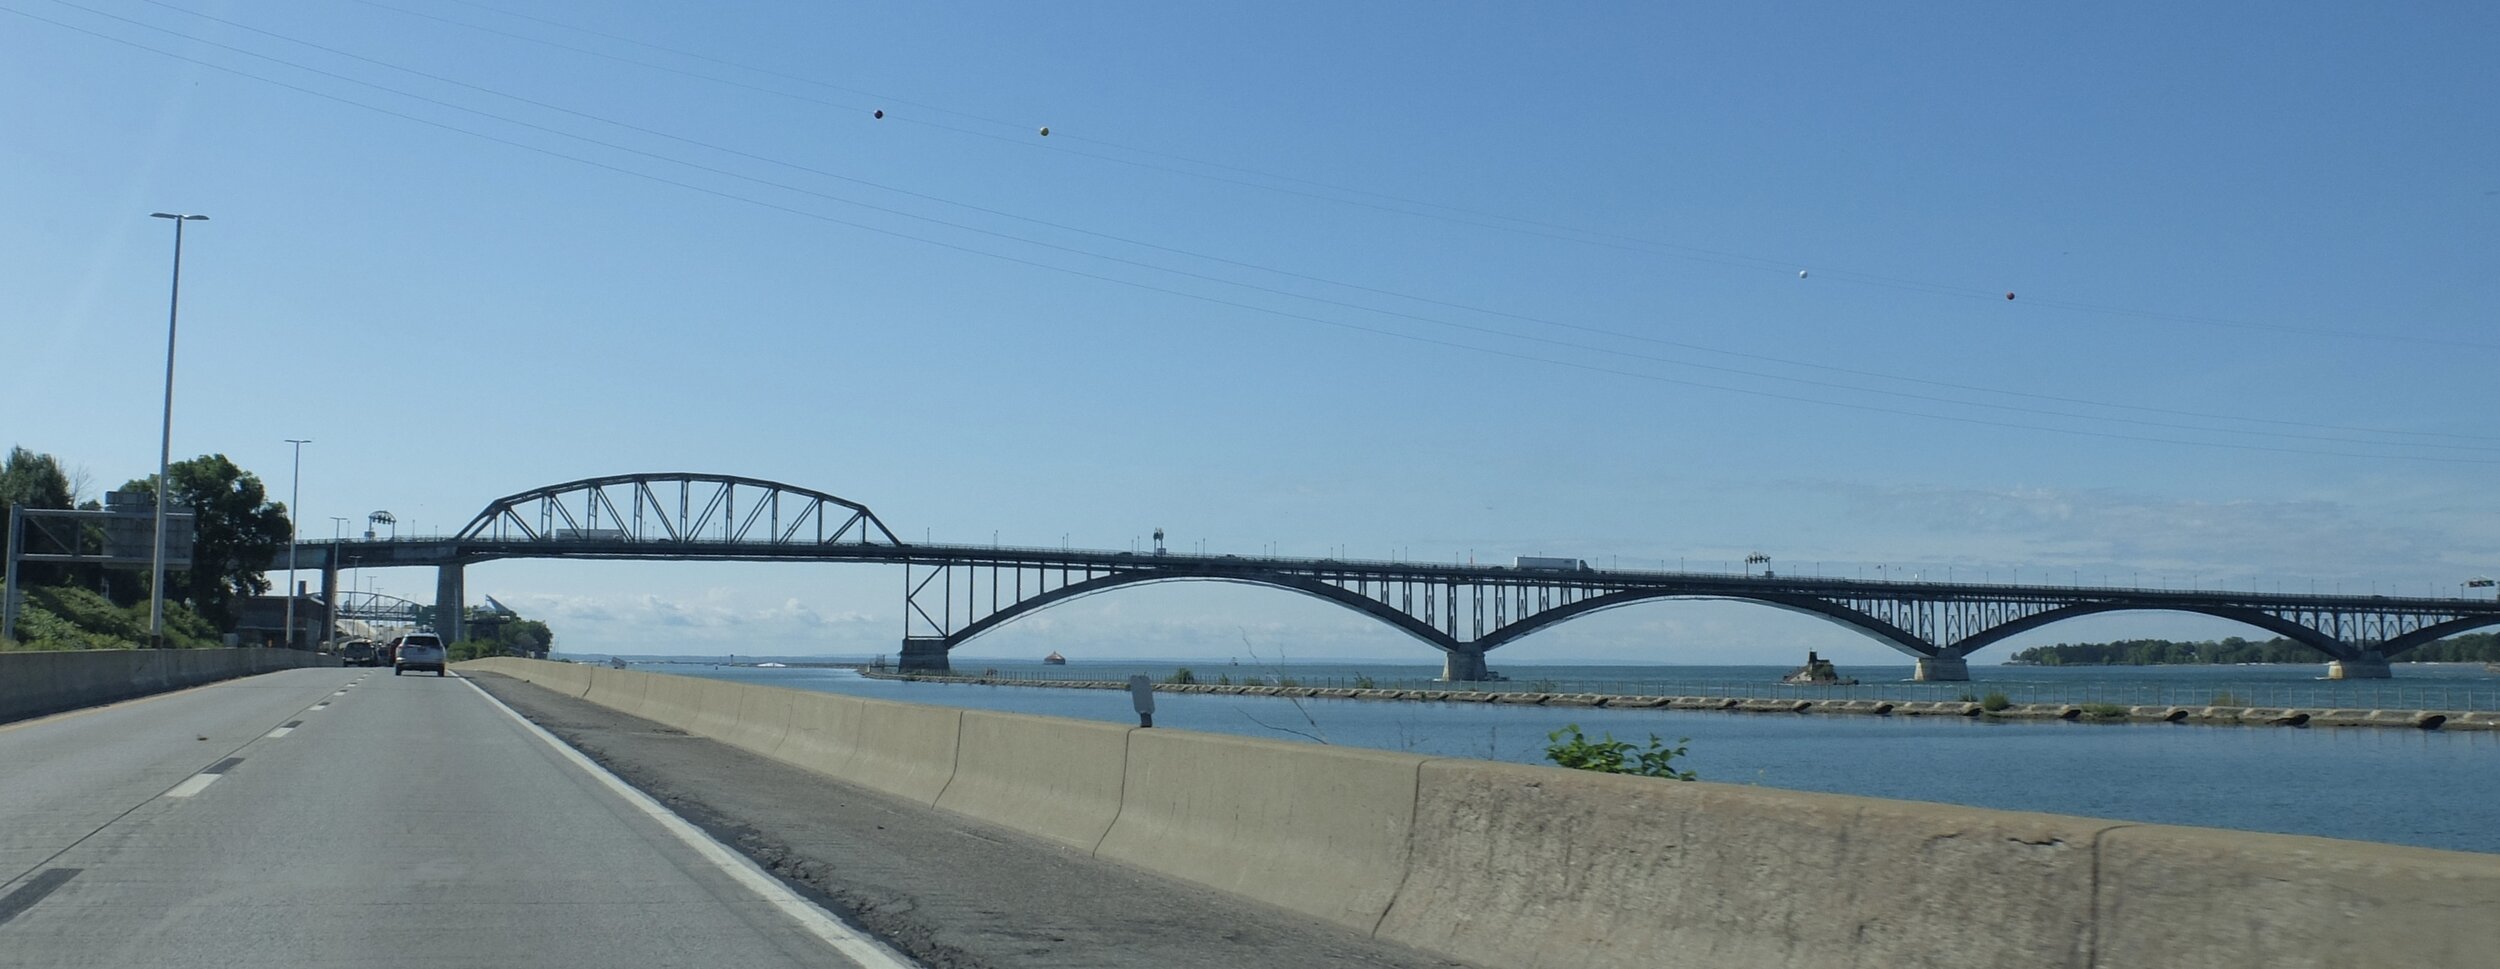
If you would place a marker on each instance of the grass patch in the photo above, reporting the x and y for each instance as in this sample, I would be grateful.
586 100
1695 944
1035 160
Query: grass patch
2105 711
65 618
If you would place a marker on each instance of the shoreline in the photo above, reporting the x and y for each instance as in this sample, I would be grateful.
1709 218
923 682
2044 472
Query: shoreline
2068 712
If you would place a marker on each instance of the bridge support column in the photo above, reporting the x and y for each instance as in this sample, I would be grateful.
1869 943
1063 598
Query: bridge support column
450 598
926 654
2359 668
329 601
1464 666
1941 669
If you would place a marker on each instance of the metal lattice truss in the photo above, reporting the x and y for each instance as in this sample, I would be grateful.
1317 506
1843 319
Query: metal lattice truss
677 509
958 593
374 607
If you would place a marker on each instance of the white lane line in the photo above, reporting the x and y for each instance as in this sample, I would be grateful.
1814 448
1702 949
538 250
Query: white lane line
279 732
862 950
193 785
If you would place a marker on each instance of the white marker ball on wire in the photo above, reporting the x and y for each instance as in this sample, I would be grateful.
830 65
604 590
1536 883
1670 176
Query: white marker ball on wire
1801 274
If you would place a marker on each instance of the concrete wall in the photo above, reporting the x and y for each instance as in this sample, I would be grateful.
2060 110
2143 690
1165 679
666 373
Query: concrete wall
37 683
1522 866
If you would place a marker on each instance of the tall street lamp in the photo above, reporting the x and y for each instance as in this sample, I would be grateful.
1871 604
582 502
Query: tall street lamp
165 443
294 507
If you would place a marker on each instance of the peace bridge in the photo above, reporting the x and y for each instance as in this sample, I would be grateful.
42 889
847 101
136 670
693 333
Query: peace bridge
953 593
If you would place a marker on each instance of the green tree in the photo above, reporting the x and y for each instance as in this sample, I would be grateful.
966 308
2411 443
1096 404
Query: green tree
240 533
34 481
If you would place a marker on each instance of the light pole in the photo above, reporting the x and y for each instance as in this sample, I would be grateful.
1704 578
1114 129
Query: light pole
165 442
294 506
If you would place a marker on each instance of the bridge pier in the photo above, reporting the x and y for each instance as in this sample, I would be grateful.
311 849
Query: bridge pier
1941 669
924 654
450 597
2361 668
1464 666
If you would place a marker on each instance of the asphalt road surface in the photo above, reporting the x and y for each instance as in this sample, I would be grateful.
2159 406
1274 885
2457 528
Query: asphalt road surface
339 817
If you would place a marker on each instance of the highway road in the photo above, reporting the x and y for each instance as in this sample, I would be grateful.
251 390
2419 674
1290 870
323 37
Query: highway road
342 817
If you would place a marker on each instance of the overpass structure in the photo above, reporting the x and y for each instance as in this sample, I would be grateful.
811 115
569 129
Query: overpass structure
953 593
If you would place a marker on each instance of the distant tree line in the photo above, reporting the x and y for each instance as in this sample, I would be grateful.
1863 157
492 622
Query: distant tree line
2467 648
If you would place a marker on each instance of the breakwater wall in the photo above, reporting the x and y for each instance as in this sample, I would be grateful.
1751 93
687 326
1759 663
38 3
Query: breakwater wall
2072 712
1512 865
33 684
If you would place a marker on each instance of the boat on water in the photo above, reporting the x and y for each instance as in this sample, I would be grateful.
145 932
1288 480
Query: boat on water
1054 659
772 666
1817 672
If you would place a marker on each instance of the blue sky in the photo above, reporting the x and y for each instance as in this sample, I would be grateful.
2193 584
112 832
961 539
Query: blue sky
1415 280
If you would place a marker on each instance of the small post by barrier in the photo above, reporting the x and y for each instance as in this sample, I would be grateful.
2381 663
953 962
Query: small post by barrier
1141 692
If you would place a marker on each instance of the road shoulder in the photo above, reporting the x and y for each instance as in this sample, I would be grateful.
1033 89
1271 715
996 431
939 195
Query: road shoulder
949 891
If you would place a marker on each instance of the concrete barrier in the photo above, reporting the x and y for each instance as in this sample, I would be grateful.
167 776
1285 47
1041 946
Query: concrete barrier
1060 779
1516 865
764 717
905 749
2193 897
1523 866
823 734
1319 830
621 690
672 700
34 684
570 679
716 709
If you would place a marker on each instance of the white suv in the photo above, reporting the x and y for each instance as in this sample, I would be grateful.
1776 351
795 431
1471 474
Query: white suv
420 652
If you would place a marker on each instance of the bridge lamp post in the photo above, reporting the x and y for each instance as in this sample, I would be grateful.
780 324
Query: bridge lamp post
294 507
165 441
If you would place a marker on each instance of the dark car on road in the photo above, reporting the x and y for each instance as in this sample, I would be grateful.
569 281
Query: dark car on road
359 652
420 652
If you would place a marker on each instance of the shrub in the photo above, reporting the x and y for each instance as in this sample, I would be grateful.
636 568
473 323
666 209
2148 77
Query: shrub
1610 756
1363 682
2227 698
1994 702
1181 676
2105 711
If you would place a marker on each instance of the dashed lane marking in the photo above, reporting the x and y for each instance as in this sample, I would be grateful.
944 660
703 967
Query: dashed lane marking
26 895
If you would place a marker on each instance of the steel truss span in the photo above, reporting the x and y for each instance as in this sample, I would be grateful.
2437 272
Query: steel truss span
676 509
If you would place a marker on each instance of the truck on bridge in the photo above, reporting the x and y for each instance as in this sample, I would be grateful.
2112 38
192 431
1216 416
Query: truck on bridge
1544 564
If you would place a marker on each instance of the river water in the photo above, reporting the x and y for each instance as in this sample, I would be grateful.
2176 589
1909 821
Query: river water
2438 789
